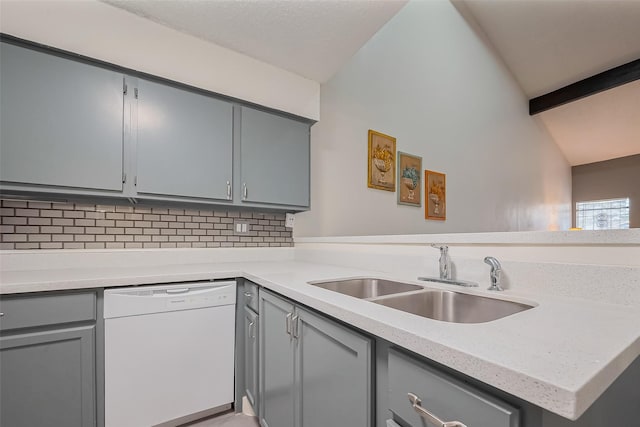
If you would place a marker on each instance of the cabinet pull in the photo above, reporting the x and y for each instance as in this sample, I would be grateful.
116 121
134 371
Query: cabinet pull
295 321
245 192
1 314
252 330
288 322
228 190
248 294
417 406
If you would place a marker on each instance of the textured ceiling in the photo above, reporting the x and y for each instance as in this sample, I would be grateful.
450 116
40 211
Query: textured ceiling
312 38
601 127
549 44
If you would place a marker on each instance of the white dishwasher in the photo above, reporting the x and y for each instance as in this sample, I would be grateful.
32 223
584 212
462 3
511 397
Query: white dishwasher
169 352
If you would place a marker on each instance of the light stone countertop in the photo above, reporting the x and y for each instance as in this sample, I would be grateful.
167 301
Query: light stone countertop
560 355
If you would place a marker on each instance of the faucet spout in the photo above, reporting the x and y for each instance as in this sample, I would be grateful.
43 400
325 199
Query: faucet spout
445 261
496 269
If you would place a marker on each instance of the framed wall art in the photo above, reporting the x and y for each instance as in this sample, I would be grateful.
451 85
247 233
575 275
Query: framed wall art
435 192
381 161
409 182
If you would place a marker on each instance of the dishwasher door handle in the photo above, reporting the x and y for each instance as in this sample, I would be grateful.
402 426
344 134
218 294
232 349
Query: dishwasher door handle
178 291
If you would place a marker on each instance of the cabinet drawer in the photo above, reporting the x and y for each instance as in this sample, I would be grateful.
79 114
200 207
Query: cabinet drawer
250 295
445 397
46 309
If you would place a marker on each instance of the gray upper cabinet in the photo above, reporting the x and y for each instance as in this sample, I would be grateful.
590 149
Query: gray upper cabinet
274 159
184 143
69 126
61 122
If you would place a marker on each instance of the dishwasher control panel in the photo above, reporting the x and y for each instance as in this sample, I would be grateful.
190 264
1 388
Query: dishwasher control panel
135 301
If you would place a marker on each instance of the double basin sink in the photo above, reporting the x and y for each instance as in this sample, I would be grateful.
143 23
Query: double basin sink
438 304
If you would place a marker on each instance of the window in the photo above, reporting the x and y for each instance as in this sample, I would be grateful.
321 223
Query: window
603 214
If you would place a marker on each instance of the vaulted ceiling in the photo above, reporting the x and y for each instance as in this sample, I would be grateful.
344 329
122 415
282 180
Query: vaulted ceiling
547 44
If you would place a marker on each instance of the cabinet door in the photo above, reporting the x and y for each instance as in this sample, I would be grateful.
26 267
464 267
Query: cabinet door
48 378
276 362
251 357
274 155
61 121
184 143
333 374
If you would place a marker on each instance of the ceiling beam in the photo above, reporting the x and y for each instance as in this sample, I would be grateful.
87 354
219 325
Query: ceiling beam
590 86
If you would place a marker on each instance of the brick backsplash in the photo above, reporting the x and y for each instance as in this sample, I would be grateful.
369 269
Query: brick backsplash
44 225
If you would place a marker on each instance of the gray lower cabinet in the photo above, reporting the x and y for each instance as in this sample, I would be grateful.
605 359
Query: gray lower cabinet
333 373
314 372
276 385
61 122
419 393
251 357
184 143
274 159
48 366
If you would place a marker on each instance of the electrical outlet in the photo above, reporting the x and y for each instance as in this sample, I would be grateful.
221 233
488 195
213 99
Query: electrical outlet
240 226
289 220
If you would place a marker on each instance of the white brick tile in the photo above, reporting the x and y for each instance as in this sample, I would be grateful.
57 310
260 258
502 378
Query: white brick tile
39 221
14 204
94 245
51 245
73 245
21 212
51 229
32 245
14 220
73 214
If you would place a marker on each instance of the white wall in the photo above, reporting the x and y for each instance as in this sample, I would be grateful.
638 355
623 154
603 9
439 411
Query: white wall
429 80
101 31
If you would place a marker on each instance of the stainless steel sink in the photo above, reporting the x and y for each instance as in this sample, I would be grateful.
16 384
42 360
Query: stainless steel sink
366 287
453 306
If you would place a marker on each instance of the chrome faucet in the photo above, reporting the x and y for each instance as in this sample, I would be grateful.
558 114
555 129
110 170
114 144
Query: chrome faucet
444 262
496 269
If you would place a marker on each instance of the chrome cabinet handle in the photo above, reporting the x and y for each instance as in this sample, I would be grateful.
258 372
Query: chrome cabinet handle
248 294
1 314
228 190
288 322
295 325
252 330
417 406
245 192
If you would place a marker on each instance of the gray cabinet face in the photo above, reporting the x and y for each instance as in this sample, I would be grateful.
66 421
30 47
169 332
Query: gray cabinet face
333 374
61 121
274 153
276 363
28 311
251 357
184 143
48 378
445 397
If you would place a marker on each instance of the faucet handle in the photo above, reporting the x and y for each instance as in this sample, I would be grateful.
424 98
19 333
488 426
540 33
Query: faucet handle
496 269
